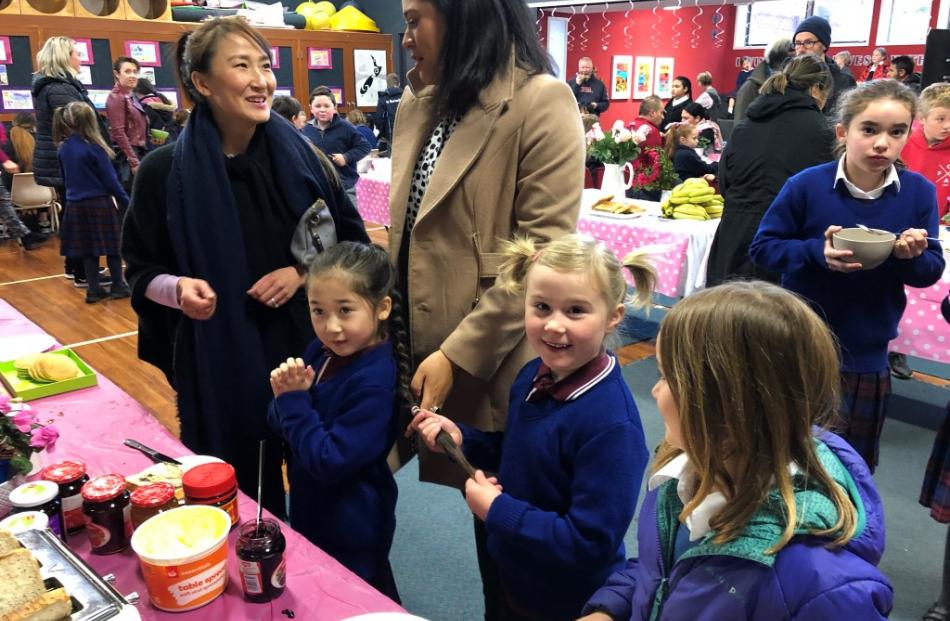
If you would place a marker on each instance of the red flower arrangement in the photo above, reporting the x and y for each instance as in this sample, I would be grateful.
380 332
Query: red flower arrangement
653 171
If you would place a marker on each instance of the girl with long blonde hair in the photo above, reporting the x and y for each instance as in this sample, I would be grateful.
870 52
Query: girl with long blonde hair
754 511
573 454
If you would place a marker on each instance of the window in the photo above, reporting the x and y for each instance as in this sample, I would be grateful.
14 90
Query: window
759 23
904 22
850 19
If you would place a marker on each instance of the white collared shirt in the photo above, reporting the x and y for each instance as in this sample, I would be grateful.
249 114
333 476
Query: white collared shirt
857 192
687 483
680 100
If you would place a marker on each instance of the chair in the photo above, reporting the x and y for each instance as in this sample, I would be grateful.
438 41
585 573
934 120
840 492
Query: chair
27 195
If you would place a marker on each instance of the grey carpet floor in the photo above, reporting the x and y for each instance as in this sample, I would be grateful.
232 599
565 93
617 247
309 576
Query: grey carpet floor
433 555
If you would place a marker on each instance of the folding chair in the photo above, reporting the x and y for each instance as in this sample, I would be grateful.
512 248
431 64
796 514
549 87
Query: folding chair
27 195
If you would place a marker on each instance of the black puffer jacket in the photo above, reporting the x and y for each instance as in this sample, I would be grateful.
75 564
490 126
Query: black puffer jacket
50 93
782 135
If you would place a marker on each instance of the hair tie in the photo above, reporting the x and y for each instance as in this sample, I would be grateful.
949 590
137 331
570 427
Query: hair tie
536 256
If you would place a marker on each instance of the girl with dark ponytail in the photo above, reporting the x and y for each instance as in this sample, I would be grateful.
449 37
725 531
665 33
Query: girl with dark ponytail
337 410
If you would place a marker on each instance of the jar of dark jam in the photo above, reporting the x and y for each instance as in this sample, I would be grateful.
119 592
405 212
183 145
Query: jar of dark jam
150 500
40 496
70 475
260 552
105 503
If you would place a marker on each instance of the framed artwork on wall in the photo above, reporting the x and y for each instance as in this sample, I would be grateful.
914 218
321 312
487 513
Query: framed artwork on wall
98 97
319 58
663 80
6 58
275 57
621 73
643 77
17 99
84 49
370 68
146 52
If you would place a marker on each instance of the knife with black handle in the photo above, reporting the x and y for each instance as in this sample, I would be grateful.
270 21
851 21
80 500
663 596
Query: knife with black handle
151 453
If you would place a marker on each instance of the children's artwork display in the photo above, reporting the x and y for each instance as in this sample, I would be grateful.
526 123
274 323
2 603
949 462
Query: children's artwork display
337 94
6 58
84 49
17 99
663 82
171 94
148 73
621 72
145 52
98 97
319 58
643 77
84 75
370 67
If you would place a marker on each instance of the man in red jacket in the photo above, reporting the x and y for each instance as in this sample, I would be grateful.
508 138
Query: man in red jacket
647 127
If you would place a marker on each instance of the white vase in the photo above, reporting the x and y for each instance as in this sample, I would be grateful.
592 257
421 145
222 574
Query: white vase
613 182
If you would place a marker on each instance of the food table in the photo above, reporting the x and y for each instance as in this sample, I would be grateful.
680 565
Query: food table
922 331
92 424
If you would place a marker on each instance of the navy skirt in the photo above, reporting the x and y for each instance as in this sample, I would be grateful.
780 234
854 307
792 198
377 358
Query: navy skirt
864 398
935 493
91 228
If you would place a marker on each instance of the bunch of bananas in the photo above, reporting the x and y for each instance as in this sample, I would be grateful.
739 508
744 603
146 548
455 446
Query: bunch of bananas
693 199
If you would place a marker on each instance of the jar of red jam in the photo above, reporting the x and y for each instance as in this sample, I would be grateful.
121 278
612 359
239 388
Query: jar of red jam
150 500
70 475
213 484
40 496
260 552
108 514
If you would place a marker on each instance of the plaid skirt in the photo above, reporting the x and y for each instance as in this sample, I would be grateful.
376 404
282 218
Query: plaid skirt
864 398
91 228
935 492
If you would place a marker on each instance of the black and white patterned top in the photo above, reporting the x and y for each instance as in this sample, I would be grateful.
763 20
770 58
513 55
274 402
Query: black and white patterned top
424 167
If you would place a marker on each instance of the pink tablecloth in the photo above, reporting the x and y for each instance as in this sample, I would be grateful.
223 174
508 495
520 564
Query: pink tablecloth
372 197
93 423
922 331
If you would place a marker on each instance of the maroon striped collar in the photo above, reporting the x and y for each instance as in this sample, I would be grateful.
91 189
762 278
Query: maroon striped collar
575 384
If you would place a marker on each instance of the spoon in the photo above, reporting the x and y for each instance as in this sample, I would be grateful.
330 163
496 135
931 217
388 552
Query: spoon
878 232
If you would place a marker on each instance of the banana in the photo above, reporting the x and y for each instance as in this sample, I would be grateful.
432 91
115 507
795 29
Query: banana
697 192
686 216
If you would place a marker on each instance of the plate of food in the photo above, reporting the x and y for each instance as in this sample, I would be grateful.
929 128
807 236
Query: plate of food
621 208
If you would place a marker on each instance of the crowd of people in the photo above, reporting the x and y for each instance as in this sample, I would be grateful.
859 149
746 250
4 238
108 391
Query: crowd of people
489 320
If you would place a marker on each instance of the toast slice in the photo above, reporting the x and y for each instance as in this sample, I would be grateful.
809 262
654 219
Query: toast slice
50 606
21 580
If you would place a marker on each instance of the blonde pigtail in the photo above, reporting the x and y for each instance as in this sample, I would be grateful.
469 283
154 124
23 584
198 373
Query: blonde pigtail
519 254
644 275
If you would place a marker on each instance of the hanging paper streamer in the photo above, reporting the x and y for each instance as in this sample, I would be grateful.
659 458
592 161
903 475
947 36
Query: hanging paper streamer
718 31
627 25
676 27
655 28
570 29
695 40
604 30
538 23
583 35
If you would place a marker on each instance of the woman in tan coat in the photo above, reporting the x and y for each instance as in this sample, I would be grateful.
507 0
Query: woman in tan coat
487 145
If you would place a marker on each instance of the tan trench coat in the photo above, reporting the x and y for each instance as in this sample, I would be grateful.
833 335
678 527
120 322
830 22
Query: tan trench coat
514 165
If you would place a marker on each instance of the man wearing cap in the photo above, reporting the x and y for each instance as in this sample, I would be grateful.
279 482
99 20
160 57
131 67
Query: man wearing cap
813 36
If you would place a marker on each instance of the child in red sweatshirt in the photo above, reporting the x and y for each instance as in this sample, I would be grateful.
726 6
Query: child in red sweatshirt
928 149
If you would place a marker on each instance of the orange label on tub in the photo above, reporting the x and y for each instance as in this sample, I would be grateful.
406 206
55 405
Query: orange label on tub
187 586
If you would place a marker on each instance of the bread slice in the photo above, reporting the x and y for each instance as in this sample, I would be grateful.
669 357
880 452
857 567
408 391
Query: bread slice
8 542
160 472
21 580
50 606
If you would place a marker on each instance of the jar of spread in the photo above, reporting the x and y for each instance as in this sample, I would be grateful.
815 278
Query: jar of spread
70 475
150 500
40 496
260 552
105 503
213 484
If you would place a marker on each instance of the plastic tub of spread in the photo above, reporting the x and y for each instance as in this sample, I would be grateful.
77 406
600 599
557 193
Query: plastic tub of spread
183 553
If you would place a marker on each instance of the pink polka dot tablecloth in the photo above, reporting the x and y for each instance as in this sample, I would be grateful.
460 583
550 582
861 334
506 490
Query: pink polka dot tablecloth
923 332
372 197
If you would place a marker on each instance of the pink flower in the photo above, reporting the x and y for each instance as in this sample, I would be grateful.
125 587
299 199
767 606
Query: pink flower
596 132
618 125
44 437
4 403
23 420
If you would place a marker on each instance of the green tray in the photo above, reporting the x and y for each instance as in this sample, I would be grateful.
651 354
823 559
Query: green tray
28 390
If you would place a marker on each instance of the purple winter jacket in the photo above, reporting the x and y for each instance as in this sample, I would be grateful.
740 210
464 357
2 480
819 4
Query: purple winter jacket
805 579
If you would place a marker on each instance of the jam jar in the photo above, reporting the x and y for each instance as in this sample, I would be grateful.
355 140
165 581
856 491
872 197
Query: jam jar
108 514
150 500
40 496
70 475
260 552
213 484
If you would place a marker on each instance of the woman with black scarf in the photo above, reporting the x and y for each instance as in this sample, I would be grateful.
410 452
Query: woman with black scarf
207 243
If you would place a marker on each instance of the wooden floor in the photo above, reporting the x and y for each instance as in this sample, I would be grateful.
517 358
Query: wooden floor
104 334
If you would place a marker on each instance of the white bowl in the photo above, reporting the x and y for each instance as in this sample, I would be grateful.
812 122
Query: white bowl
869 248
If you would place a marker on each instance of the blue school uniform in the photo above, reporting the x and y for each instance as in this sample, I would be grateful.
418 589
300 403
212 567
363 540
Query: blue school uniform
571 463
342 492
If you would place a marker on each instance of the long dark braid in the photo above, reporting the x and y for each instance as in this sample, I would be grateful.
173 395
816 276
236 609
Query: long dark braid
399 335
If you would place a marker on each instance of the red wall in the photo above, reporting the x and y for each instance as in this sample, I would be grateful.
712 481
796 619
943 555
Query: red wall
723 62
689 60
